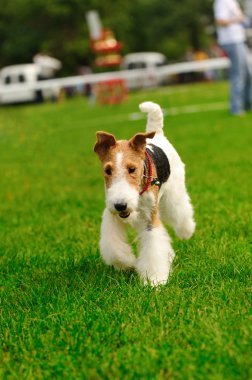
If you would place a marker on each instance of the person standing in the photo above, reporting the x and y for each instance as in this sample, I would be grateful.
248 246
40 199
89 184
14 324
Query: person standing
231 38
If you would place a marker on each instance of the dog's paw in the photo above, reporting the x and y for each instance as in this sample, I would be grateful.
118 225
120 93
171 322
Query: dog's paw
154 282
152 278
186 230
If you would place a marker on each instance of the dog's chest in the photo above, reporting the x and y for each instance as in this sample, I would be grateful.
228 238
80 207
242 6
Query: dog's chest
143 215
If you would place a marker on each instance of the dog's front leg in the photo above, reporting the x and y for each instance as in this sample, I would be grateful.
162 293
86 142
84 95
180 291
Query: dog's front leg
113 244
156 255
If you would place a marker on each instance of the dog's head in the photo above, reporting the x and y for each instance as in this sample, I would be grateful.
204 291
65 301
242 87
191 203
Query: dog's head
122 169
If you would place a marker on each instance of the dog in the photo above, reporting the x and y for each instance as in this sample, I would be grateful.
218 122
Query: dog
144 186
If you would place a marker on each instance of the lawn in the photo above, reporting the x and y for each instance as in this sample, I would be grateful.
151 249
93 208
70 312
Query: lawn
64 314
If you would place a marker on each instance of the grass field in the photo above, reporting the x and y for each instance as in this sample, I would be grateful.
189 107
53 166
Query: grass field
64 314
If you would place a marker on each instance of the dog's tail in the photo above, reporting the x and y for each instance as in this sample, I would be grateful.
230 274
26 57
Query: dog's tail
155 120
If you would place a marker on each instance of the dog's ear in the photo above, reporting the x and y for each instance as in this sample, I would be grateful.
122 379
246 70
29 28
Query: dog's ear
103 143
138 142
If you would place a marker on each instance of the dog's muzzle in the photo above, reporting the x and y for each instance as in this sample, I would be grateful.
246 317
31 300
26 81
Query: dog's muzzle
123 212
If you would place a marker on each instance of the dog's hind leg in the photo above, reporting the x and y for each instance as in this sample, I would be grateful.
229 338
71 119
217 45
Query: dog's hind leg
177 210
113 243
156 255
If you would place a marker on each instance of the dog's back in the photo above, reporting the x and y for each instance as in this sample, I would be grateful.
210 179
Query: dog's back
160 144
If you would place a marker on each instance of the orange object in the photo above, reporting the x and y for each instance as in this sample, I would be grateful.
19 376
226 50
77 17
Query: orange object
107 43
107 49
108 60
112 91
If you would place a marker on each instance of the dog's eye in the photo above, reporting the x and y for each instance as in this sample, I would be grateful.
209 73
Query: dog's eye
131 170
108 170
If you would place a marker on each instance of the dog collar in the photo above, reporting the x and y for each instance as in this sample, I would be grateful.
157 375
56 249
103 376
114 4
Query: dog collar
148 176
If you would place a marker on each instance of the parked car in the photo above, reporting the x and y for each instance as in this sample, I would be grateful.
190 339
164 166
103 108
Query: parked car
17 84
148 61
142 60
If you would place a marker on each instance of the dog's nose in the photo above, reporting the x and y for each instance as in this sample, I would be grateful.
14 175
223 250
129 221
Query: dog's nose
120 206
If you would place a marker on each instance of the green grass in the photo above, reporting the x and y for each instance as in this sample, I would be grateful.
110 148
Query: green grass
64 314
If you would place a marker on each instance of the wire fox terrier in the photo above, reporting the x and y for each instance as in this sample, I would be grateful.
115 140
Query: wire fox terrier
144 184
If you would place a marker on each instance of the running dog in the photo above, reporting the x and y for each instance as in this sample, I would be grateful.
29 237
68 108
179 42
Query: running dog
144 185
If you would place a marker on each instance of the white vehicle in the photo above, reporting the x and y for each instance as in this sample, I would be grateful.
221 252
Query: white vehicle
18 84
145 60
148 61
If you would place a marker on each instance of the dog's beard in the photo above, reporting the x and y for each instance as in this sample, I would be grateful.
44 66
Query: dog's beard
130 218
122 193
127 216
124 214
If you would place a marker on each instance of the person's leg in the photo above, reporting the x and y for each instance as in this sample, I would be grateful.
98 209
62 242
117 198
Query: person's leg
248 80
236 78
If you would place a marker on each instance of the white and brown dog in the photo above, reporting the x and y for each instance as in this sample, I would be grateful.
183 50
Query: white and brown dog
144 184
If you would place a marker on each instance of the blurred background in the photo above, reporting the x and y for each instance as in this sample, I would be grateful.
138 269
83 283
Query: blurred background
59 28
44 39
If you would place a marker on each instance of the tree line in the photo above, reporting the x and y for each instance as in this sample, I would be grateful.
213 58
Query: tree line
59 28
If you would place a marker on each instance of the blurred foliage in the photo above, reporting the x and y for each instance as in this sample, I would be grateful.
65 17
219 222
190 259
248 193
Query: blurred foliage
59 28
